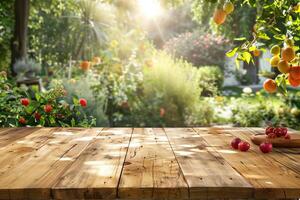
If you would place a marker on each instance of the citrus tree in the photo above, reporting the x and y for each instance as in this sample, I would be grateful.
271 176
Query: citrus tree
276 28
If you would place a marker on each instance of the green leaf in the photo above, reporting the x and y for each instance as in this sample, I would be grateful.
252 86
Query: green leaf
279 37
247 56
37 96
252 48
240 39
52 120
75 101
263 36
281 84
73 122
232 52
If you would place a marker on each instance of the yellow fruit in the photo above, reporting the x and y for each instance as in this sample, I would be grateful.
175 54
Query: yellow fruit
274 61
275 50
283 66
228 7
288 54
219 16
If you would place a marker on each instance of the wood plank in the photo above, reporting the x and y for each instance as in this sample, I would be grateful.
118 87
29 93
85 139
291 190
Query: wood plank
207 176
270 178
21 150
287 157
14 134
96 172
3 130
151 170
27 179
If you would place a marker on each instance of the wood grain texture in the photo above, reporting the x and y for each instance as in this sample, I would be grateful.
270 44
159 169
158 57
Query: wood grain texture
96 172
142 163
293 142
207 176
151 170
13 134
269 177
22 179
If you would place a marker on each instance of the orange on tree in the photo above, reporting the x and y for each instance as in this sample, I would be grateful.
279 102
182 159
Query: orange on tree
219 16
295 72
270 86
288 54
85 65
283 66
293 82
274 61
256 52
228 7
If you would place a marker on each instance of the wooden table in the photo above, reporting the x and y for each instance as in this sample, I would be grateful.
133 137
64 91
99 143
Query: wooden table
150 163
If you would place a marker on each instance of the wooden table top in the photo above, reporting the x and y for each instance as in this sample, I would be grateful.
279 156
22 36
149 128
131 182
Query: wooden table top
150 163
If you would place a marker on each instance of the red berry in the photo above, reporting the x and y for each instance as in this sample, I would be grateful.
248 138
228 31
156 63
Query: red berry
266 147
235 143
24 101
277 131
287 137
83 102
284 131
22 120
272 136
48 108
244 146
162 112
269 130
37 116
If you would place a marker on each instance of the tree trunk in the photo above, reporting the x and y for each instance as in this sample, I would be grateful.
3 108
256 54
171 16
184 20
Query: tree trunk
19 41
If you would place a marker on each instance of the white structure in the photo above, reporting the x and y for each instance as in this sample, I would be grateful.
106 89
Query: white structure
230 77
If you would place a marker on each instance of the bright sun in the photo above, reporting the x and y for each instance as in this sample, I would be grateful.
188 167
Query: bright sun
150 8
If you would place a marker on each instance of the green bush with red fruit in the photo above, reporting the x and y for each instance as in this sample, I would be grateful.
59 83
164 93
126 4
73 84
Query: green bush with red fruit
19 108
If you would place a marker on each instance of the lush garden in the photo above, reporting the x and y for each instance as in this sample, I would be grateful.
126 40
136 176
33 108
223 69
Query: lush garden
147 62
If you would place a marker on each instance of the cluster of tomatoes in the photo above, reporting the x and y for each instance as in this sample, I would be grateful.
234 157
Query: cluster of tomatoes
286 61
47 108
220 14
277 132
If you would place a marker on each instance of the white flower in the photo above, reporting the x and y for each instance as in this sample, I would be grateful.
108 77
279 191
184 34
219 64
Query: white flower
247 90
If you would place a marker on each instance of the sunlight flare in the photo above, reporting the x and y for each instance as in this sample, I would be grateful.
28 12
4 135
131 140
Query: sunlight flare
150 8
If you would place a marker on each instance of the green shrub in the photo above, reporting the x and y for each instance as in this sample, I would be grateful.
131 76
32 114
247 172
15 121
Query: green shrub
211 80
251 111
19 108
259 110
82 88
169 95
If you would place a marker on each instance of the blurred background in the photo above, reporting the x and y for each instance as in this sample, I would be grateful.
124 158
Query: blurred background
136 62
